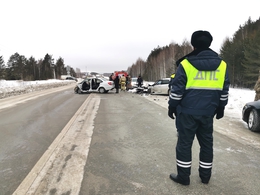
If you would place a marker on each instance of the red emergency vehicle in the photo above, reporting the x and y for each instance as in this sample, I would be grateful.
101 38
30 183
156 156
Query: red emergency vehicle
119 74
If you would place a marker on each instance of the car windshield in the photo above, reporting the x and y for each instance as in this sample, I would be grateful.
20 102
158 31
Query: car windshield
160 82
165 81
88 80
157 82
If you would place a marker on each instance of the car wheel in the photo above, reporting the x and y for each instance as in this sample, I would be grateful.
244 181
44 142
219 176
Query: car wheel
79 91
76 89
102 90
254 121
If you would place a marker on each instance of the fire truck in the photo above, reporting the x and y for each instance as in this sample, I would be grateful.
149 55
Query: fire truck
120 73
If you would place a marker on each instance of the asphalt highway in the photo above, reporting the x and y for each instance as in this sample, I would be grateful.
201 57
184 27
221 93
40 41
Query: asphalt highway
125 144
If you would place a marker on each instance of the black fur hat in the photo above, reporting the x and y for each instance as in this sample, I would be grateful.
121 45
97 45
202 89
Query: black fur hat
201 39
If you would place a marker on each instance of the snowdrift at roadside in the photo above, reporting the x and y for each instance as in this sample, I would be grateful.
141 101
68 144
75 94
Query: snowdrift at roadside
17 87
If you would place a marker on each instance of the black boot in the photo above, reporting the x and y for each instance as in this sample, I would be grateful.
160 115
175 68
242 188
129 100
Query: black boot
205 180
204 177
177 179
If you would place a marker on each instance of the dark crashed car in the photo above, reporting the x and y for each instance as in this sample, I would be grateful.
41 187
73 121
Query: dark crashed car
251 115
72 78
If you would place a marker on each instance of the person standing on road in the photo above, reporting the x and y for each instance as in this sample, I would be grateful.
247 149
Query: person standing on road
128 82
139 81
122 82
200 90
111 77
116 82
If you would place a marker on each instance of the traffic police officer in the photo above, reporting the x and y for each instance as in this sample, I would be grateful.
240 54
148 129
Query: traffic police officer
200 90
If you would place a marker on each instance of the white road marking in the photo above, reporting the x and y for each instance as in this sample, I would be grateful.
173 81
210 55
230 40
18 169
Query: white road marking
61 168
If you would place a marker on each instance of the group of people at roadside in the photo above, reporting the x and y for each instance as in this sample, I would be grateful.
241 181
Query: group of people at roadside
121 82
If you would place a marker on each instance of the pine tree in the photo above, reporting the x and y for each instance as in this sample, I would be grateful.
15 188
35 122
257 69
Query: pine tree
2 68
251 62
60 69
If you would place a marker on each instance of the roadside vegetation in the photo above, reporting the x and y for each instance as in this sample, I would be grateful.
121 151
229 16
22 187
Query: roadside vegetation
241 52
19 67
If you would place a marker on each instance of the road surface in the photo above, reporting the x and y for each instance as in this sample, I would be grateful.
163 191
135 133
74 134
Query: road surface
28 125
125 144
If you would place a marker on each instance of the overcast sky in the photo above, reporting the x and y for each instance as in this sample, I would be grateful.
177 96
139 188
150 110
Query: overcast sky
109 35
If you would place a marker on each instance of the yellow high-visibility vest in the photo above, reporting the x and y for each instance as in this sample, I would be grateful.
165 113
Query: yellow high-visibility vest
211 80
172 76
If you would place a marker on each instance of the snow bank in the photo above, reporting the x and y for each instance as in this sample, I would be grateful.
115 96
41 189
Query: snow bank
17 87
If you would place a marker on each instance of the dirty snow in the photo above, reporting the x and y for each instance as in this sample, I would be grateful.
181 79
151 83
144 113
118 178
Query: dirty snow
237 96
13 88
237 99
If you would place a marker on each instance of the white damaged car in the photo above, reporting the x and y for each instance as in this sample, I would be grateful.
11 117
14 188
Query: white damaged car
160 86
101 85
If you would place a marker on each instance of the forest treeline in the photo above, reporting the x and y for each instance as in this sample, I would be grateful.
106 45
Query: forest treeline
19 67
241 52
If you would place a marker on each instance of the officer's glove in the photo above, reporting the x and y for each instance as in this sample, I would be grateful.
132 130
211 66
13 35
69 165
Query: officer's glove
219 112
171 111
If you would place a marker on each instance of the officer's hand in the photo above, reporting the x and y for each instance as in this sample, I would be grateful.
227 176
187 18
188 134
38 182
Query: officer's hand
171 111
220 112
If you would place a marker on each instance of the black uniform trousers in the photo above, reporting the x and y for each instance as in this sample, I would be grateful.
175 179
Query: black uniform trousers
202 127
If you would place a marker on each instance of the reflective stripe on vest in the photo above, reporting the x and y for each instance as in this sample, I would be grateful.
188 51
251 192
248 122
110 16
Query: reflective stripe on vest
211 80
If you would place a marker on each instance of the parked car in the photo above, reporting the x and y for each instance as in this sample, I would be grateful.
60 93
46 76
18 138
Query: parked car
251 115
101 85
72 78
160 86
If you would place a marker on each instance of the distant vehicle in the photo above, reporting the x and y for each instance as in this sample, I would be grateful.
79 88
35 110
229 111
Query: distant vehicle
101 85
63 77
251 115
72 78
160 86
